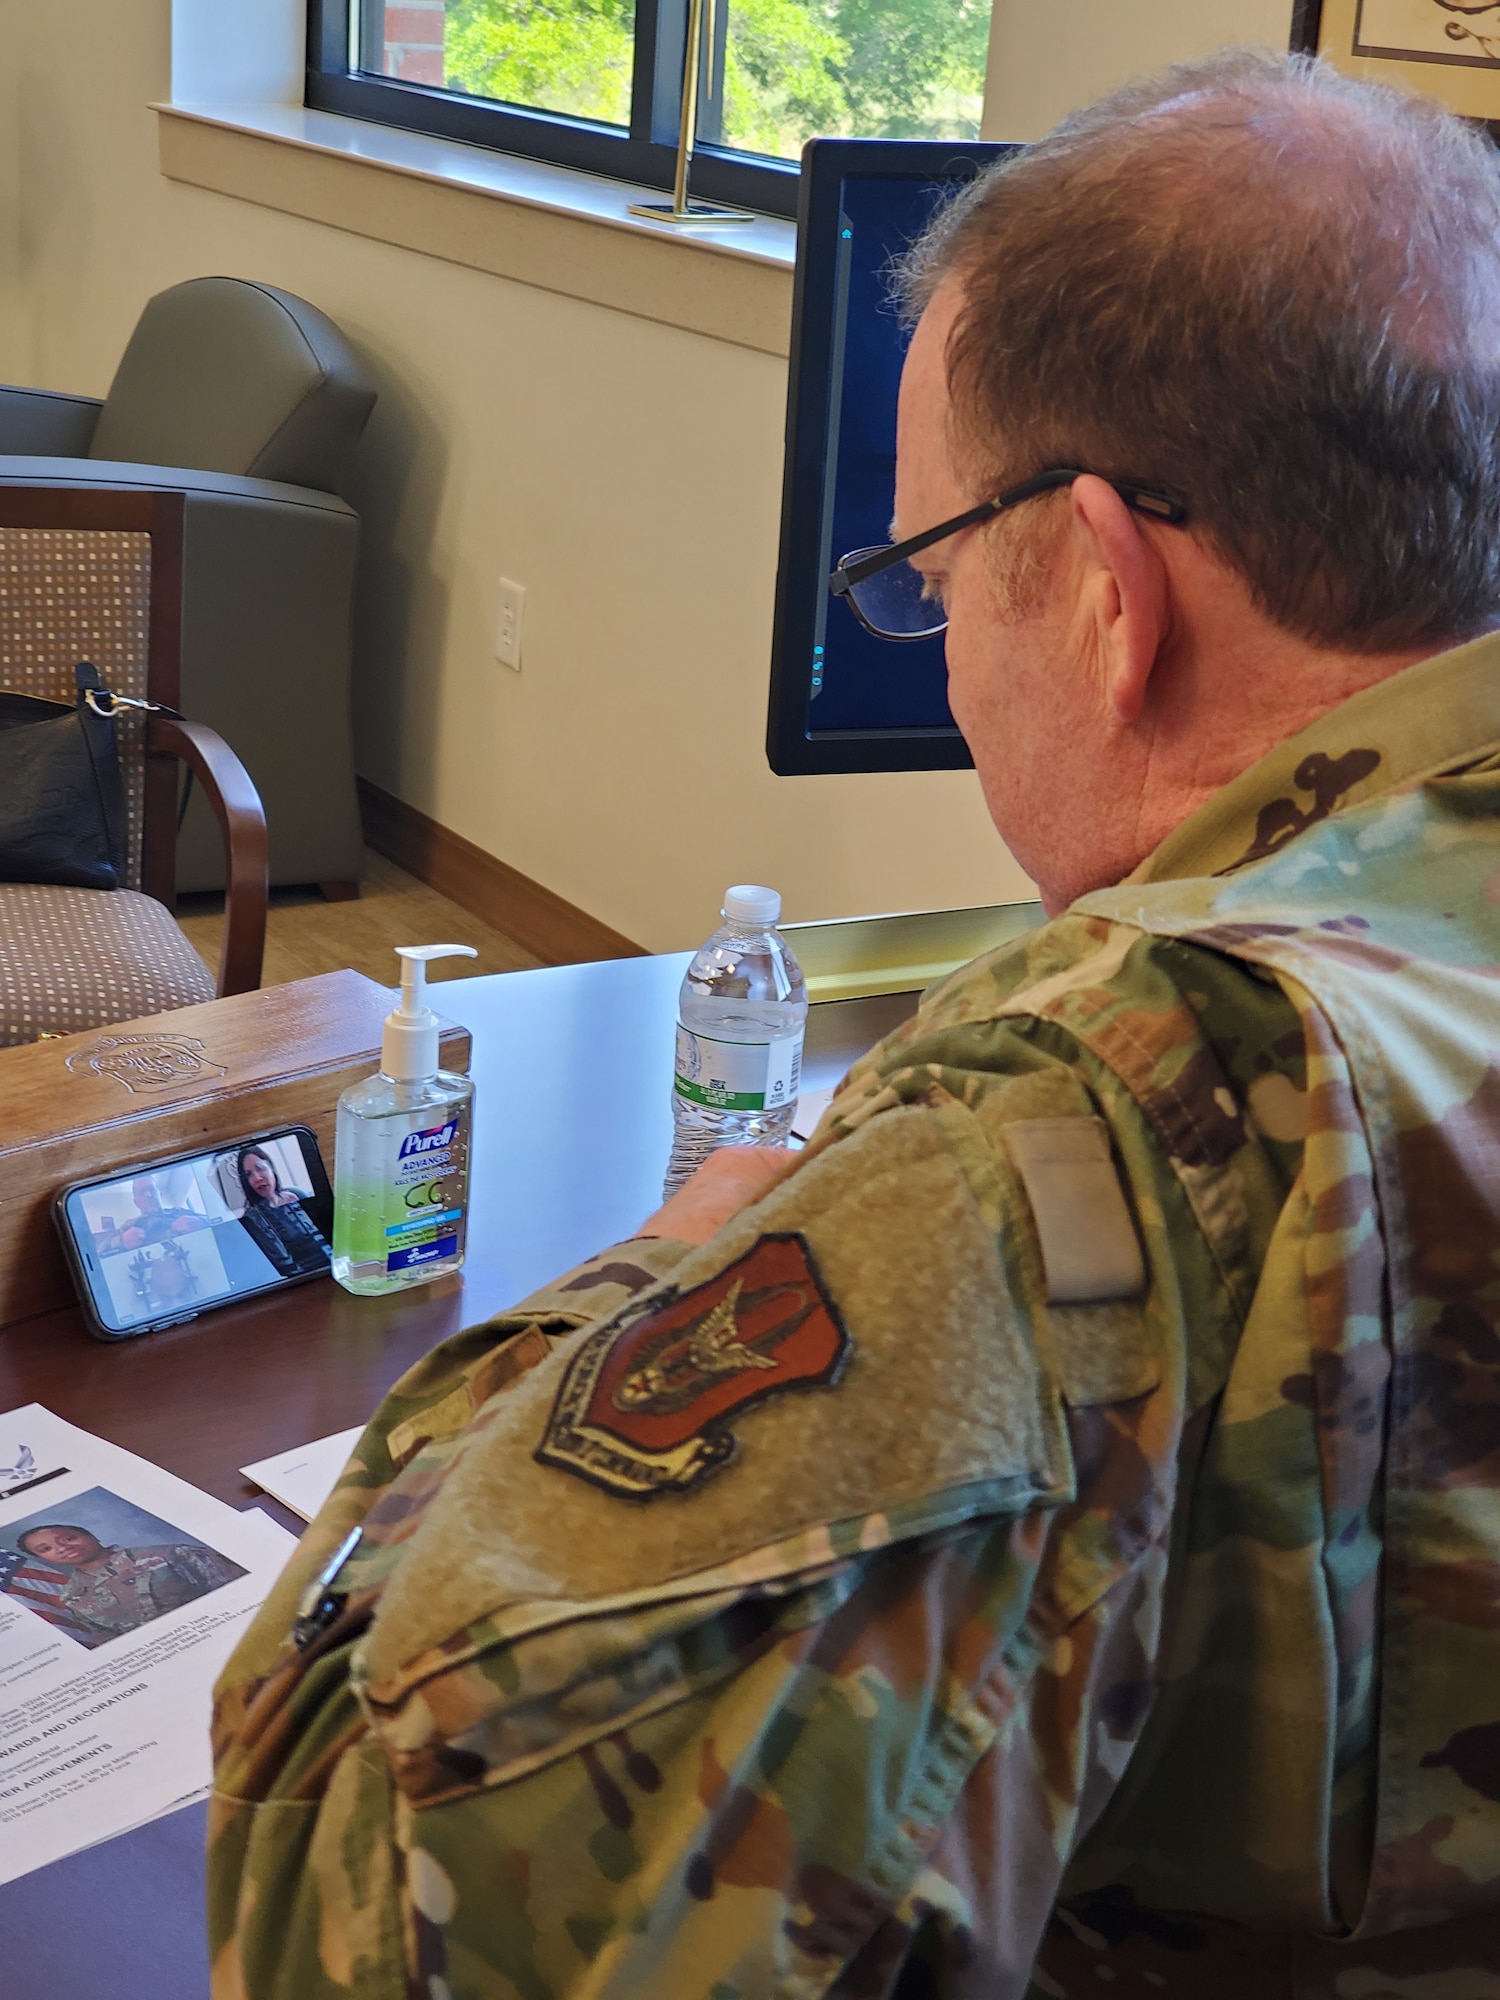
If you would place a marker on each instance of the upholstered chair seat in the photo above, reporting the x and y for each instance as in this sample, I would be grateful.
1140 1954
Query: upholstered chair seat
79 958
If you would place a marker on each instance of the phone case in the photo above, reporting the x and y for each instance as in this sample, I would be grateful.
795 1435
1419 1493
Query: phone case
73 1254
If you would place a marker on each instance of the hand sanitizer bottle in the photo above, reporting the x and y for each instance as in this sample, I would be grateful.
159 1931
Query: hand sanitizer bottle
401 1152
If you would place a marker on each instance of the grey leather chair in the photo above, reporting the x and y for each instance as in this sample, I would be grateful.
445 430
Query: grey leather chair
248 403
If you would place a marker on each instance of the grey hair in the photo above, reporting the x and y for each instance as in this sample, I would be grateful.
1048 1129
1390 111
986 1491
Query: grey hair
1273 292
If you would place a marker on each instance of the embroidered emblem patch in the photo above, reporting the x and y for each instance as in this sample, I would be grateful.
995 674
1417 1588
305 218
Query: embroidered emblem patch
644 1407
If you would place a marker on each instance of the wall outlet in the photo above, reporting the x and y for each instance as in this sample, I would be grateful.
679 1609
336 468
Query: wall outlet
508 624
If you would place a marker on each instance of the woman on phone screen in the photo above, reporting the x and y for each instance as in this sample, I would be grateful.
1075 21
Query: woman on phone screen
276 1219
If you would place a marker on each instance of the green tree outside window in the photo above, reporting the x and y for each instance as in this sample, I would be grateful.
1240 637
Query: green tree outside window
793 69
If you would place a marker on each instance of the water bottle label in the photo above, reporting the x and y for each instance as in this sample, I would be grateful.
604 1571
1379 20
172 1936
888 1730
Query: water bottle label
738 1076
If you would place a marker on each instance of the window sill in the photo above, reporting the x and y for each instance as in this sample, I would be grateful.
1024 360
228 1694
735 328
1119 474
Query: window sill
540 225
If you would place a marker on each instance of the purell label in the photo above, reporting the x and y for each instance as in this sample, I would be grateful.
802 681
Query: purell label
424 1212
431 1250
435 1141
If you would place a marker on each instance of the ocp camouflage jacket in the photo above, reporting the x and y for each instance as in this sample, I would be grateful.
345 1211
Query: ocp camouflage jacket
1115 1604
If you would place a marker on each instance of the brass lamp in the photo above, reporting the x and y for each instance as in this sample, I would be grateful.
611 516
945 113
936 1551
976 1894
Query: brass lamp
679 209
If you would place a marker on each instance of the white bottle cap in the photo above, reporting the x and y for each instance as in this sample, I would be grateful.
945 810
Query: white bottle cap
747 904
409 1044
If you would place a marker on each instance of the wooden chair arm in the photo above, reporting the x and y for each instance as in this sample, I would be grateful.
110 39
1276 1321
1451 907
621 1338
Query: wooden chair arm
242 821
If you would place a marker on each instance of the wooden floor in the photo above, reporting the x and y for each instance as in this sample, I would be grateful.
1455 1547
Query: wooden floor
305 935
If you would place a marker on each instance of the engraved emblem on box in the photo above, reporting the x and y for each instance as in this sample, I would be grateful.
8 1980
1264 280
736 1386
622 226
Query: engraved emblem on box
145 1062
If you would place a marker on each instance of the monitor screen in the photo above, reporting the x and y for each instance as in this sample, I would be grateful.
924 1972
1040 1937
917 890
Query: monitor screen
841 699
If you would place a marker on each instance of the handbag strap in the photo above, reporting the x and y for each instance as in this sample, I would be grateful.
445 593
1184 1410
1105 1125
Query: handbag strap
104 701
107 704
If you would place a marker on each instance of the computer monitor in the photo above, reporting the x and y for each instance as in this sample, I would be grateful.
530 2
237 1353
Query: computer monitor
842 700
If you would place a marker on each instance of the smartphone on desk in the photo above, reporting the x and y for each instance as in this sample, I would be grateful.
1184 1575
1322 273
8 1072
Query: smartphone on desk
160 1243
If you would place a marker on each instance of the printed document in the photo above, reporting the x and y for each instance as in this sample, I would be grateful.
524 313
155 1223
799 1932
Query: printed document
304 1478
810 1108
122 1591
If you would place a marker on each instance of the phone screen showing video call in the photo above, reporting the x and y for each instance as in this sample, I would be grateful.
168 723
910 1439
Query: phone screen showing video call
167 1241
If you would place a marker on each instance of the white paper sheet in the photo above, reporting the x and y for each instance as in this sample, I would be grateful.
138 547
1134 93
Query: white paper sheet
115 1618
811 1105
304 1478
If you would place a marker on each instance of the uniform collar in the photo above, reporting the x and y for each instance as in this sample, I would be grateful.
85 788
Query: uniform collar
1441 713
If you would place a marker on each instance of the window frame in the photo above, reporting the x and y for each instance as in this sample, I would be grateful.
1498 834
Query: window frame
646 154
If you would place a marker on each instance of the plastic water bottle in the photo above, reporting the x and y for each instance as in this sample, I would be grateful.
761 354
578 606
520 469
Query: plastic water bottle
740 1019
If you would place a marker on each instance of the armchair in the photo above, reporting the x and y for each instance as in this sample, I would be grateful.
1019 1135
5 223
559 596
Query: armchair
96 576
244 404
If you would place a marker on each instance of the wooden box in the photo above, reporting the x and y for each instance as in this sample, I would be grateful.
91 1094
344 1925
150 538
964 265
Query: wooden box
140 1090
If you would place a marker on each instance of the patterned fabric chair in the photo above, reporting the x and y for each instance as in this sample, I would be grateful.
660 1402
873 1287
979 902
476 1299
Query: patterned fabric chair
246 403
96 576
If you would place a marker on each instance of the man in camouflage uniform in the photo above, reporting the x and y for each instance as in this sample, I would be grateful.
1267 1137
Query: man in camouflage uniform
1114 1605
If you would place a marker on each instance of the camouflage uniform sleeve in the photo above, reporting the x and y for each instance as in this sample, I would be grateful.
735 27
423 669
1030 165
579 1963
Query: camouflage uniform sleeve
425 1413
654 1679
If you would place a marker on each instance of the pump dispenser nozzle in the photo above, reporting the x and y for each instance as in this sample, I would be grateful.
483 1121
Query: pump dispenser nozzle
409 1045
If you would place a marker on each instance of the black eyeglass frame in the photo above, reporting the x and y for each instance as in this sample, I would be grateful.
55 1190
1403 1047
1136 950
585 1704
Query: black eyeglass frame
857 568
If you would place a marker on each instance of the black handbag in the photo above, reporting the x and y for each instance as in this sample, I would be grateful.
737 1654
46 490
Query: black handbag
62 800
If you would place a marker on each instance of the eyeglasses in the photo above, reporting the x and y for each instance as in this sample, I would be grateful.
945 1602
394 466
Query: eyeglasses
891 599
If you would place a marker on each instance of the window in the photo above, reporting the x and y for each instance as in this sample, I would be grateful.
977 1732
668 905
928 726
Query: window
597 84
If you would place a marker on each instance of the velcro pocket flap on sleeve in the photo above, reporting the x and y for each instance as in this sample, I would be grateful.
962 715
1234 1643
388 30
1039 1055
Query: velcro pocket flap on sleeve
1090 1251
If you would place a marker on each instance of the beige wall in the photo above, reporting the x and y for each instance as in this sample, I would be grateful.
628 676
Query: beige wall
627 473
11 346
1047 57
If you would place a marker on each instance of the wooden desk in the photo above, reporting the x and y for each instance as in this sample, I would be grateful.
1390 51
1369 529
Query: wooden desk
573 1125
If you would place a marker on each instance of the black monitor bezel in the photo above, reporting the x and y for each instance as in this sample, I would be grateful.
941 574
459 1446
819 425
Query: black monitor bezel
790 749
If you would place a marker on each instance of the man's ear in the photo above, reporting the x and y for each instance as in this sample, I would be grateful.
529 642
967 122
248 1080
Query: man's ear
1131 602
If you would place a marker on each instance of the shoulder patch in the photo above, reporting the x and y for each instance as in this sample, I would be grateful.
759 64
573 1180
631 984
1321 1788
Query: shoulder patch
644 1406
